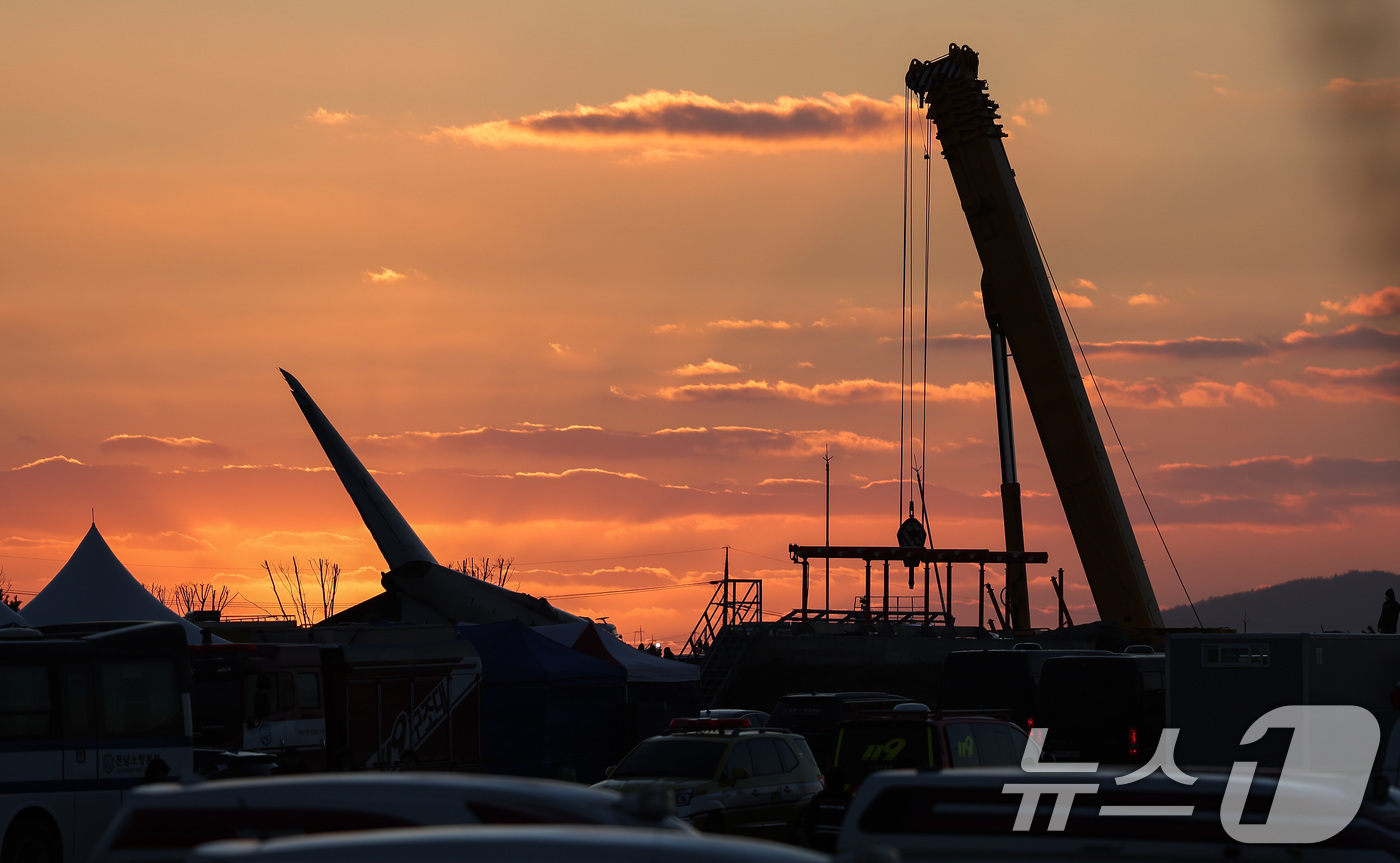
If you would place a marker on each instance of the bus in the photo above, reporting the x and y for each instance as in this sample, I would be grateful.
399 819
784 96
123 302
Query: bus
87 712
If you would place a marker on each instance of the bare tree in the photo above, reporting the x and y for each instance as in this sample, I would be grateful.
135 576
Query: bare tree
200 596
328 577
290 592
159 591
7 594
496 571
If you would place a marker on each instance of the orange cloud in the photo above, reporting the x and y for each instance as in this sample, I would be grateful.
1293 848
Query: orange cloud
1382 304
385 276
1372 94
839 393
1209 394
1346 386
1147 300
1354 336
1195 347
1085 285
708 367
1156 394
1037 107
751 325
1076 301
663 119
332 118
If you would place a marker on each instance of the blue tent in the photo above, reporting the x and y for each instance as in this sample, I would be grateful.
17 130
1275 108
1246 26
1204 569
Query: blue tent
546 710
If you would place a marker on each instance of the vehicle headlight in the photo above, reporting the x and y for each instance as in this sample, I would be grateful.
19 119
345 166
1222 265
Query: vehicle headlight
683 796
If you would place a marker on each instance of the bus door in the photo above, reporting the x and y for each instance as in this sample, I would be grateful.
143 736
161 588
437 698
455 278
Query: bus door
142 723
81 754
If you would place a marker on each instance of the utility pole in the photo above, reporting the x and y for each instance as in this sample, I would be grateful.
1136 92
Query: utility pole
827 458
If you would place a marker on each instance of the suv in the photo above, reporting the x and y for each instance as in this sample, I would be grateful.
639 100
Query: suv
908 736
726 776
815 715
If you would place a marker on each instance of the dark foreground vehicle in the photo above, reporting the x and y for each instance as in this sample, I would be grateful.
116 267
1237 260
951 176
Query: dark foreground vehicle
968 815
1107 709
906 739
725 776
1002 681
549 844
815 715
164 822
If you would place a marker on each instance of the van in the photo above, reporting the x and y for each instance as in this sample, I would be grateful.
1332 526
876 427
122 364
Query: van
1108 709
997 682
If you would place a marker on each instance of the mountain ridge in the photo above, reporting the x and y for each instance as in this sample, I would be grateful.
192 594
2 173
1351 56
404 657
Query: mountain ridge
1346 602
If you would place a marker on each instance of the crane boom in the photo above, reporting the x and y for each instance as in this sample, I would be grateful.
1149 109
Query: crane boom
1020 305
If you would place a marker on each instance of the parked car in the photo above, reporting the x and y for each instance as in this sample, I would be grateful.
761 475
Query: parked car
756 718
726 776
969 815
1108 709
907 737
815 715
502 844
163 822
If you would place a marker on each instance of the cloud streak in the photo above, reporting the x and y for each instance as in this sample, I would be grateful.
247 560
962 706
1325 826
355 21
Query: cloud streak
686 120
140 444
865 391
1346 386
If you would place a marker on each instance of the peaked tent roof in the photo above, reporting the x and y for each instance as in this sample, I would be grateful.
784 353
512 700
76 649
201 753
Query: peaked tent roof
10 617
642 667
512 652
94 585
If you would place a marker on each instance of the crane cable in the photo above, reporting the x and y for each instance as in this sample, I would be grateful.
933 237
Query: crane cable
904 271
916 426
1109 416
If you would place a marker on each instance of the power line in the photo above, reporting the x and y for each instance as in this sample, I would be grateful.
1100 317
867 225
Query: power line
630 590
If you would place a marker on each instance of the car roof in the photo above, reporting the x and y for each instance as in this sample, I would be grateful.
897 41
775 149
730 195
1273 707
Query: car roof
547 844
983 790
370 790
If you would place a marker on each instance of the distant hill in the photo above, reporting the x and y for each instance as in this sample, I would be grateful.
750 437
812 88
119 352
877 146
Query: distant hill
1348 602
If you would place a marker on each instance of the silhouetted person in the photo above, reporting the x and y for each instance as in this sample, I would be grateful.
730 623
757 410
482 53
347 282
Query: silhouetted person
1390 612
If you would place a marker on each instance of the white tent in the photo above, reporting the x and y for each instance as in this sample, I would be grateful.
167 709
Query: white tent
93 585
10 617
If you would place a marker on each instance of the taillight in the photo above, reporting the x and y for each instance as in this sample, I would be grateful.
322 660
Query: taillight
1132 743
1030 722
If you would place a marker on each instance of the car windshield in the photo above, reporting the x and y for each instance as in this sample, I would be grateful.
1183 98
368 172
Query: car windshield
668 757
869 746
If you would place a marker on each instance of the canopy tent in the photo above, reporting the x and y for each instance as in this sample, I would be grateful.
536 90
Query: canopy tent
93 585
10 617
658 690
546 710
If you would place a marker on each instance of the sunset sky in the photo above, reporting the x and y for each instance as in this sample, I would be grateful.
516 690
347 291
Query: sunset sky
594 286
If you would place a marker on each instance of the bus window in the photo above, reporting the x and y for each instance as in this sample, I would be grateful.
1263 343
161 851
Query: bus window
77 703
286 691
308 690
26 708
140 698
261 695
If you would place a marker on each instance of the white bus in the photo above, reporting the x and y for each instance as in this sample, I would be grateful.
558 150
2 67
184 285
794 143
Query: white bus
87 712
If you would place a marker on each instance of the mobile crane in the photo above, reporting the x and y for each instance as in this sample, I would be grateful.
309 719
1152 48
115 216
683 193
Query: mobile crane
1022 314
